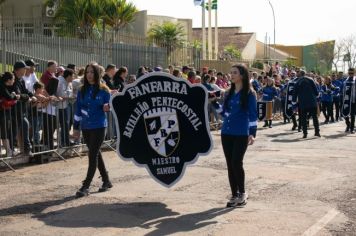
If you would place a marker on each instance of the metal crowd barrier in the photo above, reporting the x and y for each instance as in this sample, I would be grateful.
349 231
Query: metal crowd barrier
45 129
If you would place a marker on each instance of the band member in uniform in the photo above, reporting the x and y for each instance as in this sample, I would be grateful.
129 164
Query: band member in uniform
270 92
350 101
292 82
336 95
306 92
92 103
239 130
327 94
283 94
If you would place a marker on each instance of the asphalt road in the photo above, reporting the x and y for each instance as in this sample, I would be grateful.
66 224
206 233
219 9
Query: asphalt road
296 187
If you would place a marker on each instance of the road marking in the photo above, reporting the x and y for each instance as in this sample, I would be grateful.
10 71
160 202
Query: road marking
314 229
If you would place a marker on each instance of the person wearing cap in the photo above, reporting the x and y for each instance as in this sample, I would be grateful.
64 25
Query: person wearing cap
30 77
158 69
307 92
109 75
26 96
49 73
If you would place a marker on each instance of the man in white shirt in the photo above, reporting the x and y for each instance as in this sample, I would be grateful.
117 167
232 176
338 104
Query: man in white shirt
30 77
64 92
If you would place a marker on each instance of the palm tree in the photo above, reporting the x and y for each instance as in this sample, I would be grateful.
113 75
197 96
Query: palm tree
80 17
168 35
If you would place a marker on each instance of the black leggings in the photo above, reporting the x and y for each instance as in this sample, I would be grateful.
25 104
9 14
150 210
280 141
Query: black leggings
94 138
328 110
234 150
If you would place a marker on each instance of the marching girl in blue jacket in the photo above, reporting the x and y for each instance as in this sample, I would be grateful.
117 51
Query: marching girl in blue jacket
238 131
92 103
270 92
327 93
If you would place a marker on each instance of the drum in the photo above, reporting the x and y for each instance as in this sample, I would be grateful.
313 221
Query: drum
269 110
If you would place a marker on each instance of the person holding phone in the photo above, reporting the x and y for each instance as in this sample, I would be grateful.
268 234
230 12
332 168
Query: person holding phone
92 103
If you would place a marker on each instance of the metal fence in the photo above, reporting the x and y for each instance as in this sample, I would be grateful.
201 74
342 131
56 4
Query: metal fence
44 129
122 50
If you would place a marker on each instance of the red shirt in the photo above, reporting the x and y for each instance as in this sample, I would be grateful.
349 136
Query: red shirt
46 77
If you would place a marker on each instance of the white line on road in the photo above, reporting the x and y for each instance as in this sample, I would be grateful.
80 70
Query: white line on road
314 229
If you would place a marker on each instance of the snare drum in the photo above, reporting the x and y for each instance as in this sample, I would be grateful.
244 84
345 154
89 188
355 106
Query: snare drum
269 110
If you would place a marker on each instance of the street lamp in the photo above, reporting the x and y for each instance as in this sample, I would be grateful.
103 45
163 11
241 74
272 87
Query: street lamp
274 27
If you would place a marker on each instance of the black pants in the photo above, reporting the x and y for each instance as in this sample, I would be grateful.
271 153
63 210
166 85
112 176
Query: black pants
352 114
94 138
304 116
49 127
234 149
336 103
327 108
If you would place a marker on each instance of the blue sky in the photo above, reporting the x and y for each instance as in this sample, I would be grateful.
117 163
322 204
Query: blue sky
298 22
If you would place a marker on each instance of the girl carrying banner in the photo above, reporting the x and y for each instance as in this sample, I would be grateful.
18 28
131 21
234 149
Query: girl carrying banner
238 131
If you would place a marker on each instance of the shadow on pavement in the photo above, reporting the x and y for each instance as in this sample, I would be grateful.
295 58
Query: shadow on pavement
33 208
129 215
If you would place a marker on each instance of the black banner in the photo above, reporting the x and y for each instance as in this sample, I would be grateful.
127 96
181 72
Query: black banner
261 110
162 124
346 104
289 99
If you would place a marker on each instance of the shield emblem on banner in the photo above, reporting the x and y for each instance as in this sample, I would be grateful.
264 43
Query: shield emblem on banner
162 129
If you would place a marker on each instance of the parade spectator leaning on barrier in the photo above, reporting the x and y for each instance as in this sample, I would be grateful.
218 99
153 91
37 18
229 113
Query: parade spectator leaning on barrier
49 73
30 77
109 75
64 92
8 99
26 97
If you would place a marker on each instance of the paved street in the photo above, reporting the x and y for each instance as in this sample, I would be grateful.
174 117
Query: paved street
295 186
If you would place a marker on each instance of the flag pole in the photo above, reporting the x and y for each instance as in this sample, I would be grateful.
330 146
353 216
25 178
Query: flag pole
216 35
210 39
203 31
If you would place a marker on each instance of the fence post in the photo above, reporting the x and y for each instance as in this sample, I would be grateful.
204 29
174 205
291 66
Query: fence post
3 50
59 50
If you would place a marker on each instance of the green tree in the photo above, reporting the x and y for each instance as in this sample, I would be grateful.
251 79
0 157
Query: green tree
232 52
78 17
168 35
118 13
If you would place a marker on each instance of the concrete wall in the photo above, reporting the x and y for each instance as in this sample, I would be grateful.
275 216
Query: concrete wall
295 51
26 9
249 52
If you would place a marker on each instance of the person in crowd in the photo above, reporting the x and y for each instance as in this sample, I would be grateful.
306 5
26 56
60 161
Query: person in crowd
131 79
26 97
327 94
60 71
336 95
49 73
185 71
92 103
306 92
42 101
170 68
177 73
109 75
191 77
197 80
30 77
255 83
141 71
8 99
238 130
350 119
64 93
270 92
120 78
215 86
72 67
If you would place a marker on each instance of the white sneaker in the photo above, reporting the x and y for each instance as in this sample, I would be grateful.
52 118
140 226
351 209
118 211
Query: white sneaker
242 199
239 200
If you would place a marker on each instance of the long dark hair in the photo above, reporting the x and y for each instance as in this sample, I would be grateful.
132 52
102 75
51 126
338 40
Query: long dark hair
98 85
246 87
